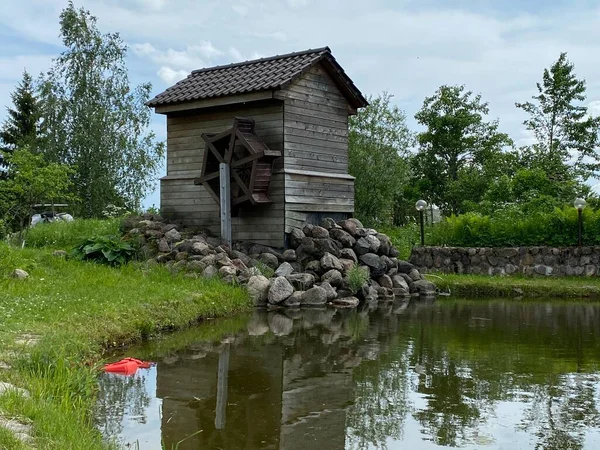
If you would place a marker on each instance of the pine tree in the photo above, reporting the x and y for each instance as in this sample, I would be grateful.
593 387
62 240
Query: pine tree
21 126
567 137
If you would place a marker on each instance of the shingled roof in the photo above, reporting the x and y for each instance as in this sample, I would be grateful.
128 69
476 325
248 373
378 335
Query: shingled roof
263 74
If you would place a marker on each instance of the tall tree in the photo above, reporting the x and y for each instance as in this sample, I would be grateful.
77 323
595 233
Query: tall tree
456 146
20 128
378 140
567 136
94 121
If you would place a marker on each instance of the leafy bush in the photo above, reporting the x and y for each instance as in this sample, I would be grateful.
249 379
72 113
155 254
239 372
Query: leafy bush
357 277
109 250
267 271
68 234
511 227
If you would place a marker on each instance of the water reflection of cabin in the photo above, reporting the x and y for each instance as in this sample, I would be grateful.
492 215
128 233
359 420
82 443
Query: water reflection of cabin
274 400
300 103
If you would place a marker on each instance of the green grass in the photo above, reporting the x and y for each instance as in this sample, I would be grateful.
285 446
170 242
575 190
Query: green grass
79 310
65 235
486 286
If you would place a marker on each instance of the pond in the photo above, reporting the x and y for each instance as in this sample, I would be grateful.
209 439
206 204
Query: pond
421 375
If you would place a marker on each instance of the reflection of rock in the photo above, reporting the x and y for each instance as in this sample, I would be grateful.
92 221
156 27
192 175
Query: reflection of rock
316 316
258 324
171 359
279 324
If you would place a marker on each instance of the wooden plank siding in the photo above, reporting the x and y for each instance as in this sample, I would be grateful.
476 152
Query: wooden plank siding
315 115
192 204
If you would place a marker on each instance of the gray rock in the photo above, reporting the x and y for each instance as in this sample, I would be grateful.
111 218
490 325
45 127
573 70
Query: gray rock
306 251
348 253
19 274
269 259
328 223
544 270
221 259
7 387
424 287
258 289
173 235
347 264
401 292
351 225
329 262
385 281
289 255
241 256
319 233
301 281
376 266
228 271
345 302
280 289
399 282
315 296
284 270
343 237
385 244
181 256
293 301
295 238
239 265
314 266
280 324
307 229
59 253
414 275
405 267
367 244
331 292
196 266
333 277
328 245
201 248
210 272
163 246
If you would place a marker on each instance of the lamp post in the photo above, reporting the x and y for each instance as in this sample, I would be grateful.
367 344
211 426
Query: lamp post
421 205
579 204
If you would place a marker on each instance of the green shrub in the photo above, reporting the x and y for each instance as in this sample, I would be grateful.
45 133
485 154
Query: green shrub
357 276
68 234
109 250
267 271
512 227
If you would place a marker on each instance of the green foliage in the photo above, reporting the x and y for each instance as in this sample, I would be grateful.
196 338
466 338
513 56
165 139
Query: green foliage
561 125
456 148
377 141
105 136
66 235
33 180
267 271
21 126
403 238
357 277
110 250
510 227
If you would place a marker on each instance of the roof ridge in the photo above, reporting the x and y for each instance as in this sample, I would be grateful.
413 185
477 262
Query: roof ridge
268 58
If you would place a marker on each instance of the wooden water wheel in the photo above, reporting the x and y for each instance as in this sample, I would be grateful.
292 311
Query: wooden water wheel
249 159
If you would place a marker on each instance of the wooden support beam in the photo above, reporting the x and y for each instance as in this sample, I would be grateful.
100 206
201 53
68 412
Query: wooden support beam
225 200
222 386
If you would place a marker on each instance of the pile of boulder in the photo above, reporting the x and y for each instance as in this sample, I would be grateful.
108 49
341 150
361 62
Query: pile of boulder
336 263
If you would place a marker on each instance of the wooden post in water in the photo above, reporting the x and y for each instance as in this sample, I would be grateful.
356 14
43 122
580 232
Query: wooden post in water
225 197
222 388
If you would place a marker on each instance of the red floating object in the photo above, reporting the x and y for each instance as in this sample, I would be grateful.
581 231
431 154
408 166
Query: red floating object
127 366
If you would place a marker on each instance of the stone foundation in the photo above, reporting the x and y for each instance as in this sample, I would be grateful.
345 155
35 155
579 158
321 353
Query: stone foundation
541 261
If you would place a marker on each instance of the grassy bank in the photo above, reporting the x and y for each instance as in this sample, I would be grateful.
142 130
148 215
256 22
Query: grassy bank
76 311
485 286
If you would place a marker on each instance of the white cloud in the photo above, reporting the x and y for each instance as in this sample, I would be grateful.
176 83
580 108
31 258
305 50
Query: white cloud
242 10
171 76
191 57
297 3
594 108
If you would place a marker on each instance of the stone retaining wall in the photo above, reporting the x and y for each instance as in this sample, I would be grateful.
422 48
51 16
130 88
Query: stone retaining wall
545 261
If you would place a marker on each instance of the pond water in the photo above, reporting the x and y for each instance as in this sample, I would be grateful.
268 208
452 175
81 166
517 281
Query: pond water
451 373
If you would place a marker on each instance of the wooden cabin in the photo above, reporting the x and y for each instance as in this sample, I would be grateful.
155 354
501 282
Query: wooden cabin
283 123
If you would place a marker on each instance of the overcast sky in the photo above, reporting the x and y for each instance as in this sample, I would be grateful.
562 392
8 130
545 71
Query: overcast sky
409 48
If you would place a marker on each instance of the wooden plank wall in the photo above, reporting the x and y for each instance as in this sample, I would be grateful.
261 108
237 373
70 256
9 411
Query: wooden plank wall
191 204
315 140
